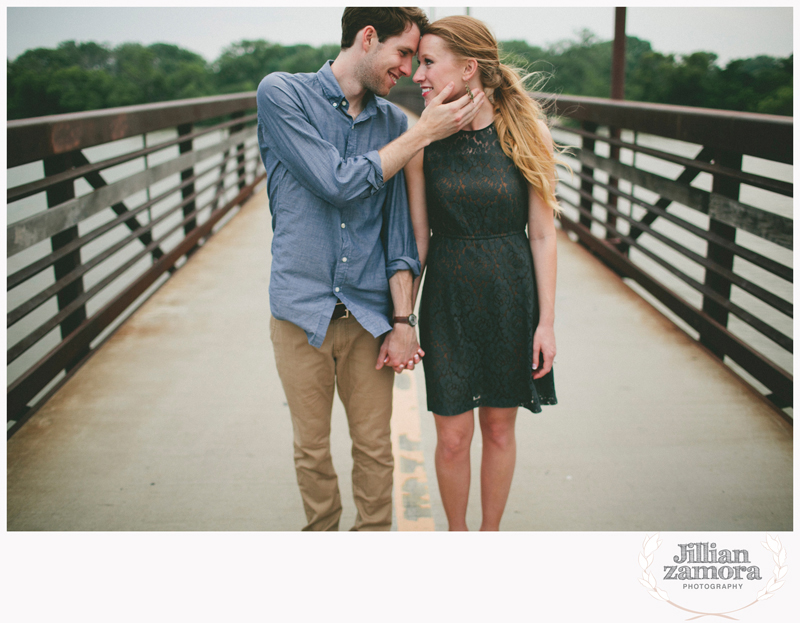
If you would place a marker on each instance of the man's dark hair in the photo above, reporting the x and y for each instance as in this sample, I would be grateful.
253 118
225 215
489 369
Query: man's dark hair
387 21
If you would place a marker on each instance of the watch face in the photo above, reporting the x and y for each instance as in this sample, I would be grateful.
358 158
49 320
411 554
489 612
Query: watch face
412 320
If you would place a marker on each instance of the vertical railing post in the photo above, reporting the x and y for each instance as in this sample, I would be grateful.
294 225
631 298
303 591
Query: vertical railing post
613 183
56 195
587 145
727 187
187 190
239 150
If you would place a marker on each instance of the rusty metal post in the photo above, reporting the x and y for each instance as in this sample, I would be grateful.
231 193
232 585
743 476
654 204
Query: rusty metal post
618 61
239 148
56 195
587 144
188 190
617 93
728 187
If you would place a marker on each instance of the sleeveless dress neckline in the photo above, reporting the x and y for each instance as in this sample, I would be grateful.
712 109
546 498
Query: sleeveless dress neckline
491 125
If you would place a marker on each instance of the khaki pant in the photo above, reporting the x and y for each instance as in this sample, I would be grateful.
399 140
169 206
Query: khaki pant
347 359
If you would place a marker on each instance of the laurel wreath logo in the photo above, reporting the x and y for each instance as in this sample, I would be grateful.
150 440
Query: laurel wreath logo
648 580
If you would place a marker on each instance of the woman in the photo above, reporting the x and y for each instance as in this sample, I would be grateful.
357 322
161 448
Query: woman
486 314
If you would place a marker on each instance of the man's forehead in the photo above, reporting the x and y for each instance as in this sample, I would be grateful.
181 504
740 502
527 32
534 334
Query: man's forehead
408 39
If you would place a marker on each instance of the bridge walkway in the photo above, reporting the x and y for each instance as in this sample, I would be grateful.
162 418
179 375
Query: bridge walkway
179 421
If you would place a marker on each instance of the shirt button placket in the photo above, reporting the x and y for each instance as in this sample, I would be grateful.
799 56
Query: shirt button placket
344 250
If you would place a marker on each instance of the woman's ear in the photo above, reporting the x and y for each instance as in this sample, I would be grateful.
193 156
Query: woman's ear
470 69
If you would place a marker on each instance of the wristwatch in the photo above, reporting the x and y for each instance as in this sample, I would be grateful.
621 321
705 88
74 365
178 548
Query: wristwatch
411 319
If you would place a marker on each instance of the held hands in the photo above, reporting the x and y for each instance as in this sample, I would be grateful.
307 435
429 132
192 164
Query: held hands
441 120
544 350
400 350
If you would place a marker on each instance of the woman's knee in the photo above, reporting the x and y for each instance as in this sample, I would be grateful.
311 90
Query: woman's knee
497 429
454 437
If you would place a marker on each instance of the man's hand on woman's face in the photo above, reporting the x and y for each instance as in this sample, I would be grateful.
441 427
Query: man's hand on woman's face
442 120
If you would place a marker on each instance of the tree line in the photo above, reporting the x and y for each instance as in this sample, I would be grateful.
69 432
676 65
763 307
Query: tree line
86 76
762 84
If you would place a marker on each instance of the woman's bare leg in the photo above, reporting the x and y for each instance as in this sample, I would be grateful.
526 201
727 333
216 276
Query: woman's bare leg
453 438
497 464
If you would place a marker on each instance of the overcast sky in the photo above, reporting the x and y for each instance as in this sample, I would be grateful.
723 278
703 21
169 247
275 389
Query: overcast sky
728 32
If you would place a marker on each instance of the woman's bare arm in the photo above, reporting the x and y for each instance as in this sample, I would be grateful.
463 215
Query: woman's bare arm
542 235
415 184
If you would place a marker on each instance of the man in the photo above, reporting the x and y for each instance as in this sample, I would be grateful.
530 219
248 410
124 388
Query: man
344 255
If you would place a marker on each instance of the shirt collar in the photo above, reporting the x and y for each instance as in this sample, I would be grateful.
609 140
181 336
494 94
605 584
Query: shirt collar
332 90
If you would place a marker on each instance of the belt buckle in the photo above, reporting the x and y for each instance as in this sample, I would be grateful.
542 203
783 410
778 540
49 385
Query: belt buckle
346 313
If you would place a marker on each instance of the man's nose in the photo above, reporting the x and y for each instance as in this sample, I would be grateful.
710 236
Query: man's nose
406 67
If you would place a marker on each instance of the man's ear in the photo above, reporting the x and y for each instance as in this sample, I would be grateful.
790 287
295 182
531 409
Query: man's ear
471 68
369 36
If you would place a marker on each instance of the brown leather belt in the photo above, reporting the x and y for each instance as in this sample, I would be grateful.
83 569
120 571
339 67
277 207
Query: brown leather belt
340 311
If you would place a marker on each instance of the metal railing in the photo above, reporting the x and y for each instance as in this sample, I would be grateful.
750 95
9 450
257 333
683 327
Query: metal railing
102 207
80 257
665 196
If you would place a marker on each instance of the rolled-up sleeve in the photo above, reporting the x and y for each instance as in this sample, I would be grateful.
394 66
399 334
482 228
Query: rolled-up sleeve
284 128
399 241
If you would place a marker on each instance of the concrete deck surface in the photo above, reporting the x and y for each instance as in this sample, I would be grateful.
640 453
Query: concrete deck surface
179 421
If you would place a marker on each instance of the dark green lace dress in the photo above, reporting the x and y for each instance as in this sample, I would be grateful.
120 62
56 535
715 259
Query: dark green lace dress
479 304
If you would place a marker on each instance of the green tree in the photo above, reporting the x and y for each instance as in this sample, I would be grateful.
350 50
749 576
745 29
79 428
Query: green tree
242 65
186 74
87 76
80 89
35 79
650 77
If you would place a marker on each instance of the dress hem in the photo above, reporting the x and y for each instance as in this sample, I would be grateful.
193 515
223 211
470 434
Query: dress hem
530 406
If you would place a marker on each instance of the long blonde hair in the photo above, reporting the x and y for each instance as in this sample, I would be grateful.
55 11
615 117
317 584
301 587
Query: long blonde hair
516 114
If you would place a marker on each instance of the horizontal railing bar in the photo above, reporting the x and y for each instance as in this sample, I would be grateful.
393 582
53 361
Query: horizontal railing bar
765 371
665 187
776 268
43 225
753 134
687 176
36 267
757 291
34 336
34 302
776 336
773 334
766 225
767 136
33 269
770 265
751 179
25 388
20 347
96 181
37 186
38 138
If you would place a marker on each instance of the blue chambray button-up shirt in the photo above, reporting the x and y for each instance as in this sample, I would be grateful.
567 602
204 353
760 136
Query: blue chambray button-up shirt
340 232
